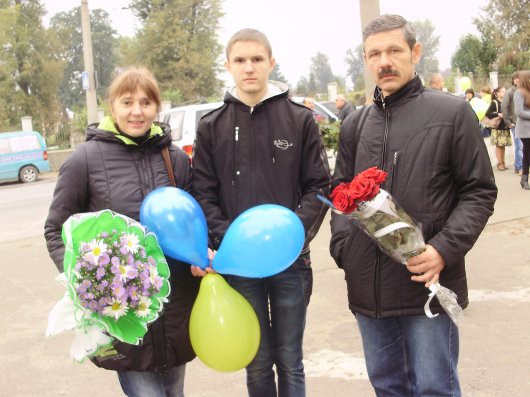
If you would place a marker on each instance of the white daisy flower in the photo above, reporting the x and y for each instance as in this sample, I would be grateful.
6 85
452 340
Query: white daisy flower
116 309
143 307
97 248
124 272
132 243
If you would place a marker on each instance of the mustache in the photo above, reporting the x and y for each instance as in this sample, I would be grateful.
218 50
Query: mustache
387 71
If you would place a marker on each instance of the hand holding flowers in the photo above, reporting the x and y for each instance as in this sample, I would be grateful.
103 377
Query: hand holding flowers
117 280
397 234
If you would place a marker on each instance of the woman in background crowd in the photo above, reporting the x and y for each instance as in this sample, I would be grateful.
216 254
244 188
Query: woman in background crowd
500 136
521 101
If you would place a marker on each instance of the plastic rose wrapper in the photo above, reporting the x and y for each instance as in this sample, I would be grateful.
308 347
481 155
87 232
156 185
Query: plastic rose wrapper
116 280
397 234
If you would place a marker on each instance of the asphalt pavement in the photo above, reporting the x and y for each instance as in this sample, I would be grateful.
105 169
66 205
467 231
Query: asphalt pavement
494 338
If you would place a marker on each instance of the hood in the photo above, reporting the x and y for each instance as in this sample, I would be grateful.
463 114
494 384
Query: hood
274 89
159 134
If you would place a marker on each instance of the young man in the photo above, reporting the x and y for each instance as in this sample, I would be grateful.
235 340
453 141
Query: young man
262 148
440 173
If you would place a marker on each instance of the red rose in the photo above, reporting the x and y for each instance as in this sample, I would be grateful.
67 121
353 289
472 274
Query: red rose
364 189
374 173
342 199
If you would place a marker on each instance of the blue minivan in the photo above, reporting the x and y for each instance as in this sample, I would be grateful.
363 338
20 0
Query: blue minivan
23 156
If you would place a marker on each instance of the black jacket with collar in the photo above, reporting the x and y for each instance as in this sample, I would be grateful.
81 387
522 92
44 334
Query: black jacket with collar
269 154
439 171
106 173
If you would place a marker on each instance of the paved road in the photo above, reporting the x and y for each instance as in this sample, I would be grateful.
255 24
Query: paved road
495 359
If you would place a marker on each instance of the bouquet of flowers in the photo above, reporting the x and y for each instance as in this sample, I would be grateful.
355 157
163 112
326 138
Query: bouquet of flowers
397 234
116 278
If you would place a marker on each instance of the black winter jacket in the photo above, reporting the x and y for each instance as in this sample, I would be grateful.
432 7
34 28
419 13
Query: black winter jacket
271 154
106 173
439 171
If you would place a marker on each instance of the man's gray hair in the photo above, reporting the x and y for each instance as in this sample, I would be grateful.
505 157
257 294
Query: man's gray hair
388 22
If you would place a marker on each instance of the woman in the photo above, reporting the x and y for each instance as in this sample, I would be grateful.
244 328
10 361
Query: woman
500 136
118 165
521 100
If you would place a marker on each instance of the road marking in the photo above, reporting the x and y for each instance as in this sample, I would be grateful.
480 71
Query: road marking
334 364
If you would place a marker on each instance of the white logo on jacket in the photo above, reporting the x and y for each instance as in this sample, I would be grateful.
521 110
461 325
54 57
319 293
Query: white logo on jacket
282 144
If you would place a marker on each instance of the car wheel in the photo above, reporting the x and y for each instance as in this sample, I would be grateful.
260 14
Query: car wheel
28 174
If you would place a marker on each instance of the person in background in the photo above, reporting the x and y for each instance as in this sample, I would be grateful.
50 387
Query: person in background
309 102
485 94
417 136
118 165
436 82
521 100
262 148
344 107
509 120
500 136
469 94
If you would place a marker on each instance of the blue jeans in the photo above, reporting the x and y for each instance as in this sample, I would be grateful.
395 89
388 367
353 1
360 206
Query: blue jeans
280 302
411 356
152 384
518 148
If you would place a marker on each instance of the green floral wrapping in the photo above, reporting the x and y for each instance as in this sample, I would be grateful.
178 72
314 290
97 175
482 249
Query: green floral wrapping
116 277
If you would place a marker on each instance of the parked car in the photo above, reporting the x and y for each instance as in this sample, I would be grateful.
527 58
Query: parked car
184 121
320 109
23 155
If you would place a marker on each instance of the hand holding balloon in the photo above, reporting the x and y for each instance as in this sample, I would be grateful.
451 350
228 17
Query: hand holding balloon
197 271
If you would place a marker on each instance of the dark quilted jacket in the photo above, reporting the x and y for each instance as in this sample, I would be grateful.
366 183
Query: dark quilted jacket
438 171
106 173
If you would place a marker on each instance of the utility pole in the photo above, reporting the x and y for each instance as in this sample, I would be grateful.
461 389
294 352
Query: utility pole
89 77
369 10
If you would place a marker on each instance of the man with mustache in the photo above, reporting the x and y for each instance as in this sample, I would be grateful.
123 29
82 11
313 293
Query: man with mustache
439 171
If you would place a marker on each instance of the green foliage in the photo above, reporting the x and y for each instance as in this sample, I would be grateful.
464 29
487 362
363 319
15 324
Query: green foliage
30 73
354 60
467 57
174 96
330 134
66 27
178 42
277 75
321 72
425 35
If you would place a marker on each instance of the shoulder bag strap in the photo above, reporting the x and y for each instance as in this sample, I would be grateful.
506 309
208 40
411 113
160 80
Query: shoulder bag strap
167 161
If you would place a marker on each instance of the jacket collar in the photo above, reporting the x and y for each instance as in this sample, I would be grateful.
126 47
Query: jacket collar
412 88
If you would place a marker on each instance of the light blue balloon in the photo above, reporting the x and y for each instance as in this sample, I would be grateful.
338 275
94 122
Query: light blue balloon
179 223
261 242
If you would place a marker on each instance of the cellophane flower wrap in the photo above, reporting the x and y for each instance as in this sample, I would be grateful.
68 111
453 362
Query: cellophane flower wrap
397 234
117 281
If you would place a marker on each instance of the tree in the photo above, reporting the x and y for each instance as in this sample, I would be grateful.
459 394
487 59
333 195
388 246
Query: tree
425 35
277 75
66 26
355 63
321 71
467 56
30 73
178 42
509 35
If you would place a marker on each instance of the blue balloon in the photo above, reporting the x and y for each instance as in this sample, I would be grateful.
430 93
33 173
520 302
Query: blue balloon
261 242
179 223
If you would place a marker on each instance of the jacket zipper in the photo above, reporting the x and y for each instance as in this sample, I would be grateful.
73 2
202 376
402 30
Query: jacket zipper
377 280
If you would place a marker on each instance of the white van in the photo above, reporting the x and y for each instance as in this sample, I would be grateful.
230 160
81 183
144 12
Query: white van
184 121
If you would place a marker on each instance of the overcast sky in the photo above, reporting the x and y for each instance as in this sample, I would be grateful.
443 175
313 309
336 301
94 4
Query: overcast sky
298 29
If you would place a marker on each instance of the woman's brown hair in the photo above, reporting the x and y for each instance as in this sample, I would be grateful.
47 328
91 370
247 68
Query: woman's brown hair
130 80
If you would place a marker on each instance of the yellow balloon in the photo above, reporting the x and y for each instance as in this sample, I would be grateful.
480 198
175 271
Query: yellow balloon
224 329
465 83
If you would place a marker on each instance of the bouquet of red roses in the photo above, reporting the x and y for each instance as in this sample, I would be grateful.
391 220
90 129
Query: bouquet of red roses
397 234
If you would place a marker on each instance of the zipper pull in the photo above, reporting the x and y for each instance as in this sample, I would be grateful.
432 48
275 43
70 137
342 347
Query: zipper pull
236 134
395 158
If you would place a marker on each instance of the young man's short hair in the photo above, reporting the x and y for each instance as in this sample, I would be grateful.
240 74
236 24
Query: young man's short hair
249 35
